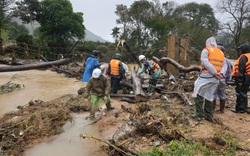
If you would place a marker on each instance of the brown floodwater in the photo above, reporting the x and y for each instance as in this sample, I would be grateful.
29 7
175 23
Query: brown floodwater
46 85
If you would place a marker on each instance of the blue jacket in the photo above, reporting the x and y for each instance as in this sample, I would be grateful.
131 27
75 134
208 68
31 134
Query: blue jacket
90 64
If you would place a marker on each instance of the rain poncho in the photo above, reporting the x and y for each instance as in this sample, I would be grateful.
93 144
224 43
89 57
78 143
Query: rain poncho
125 67
227 72
207 83
90 64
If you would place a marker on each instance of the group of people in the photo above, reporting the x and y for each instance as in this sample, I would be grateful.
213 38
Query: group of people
98 88
216 71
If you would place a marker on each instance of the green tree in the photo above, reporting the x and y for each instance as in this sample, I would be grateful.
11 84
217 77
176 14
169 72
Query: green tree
123 20
6 11
59 25
246 34
143 24
140 12
24 41
198 15
148 23
196 20
115 33
14 30
28 10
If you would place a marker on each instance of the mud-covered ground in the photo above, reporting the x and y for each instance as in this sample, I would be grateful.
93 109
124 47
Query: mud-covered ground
163 122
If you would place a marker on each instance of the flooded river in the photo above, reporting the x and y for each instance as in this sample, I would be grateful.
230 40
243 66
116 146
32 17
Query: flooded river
46 85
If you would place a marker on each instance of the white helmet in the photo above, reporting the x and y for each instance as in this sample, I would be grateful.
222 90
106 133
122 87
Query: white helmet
96 73
141 57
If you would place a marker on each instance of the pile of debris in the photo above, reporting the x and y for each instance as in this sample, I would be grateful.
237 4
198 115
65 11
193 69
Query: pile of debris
10 86
35 121
166 124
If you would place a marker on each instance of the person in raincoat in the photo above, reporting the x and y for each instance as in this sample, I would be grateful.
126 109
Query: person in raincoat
220 90
241 74
151 68
98 89
212 61
90 64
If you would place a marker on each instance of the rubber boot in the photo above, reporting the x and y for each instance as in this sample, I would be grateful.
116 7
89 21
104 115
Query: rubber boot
222 105
198 108
108 105
208 110
214 104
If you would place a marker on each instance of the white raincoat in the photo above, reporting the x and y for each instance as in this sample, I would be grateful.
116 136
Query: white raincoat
207 83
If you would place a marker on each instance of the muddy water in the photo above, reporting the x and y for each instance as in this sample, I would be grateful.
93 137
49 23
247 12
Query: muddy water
42 85
69 143
47 85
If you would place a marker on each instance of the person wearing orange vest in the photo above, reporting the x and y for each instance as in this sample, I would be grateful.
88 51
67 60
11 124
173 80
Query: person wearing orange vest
151 68
241 74
212 63
116 72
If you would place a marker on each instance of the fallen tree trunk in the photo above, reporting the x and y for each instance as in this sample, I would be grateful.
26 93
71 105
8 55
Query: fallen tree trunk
165 60
126 84
34 66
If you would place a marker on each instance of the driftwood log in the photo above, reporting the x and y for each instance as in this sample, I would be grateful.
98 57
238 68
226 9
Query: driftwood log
126 84
165 60
137 87
34 66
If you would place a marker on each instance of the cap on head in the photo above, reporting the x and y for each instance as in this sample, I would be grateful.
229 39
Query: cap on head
118 56
96 73
95 52
244 48
141 57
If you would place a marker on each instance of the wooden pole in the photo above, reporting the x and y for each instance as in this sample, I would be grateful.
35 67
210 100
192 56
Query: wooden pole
173 52
184 48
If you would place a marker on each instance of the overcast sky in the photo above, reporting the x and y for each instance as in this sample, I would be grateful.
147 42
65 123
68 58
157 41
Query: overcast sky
100 18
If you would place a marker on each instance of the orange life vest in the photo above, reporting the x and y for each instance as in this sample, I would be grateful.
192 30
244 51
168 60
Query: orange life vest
155 66
215 57
236 66
114 67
